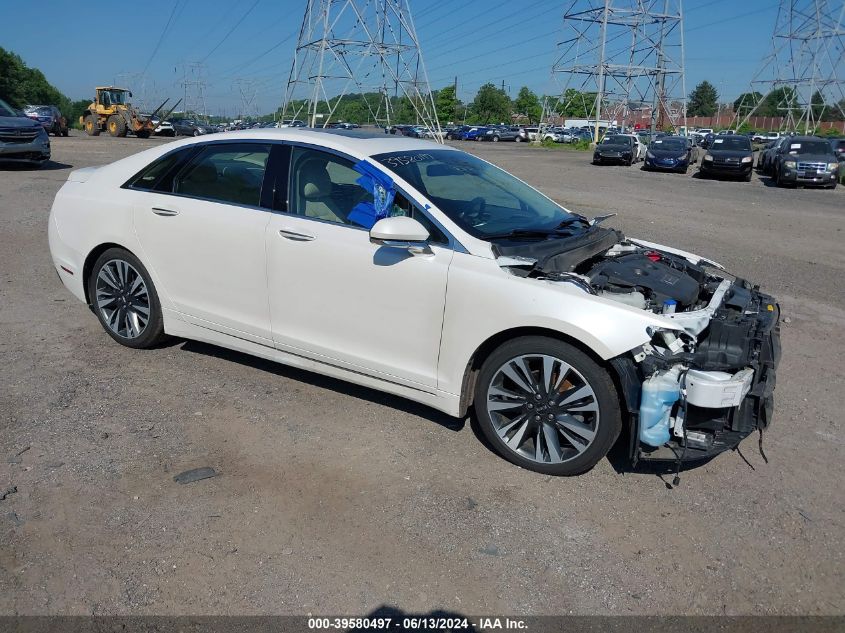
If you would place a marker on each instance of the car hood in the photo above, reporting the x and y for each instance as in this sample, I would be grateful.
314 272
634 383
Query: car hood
18 122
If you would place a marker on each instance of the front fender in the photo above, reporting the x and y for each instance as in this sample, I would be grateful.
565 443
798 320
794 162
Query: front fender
483 300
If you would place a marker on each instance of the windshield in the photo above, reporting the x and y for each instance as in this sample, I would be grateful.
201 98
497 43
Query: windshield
809 147
673 144
617 140
6 109
482 199
734 143
113 96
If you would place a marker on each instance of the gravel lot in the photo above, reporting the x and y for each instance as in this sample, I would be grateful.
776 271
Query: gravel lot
337 499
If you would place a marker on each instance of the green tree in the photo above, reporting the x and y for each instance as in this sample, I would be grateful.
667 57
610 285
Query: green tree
447 104
746 102
21 85
779 102
818 105
528 104
491 105
703 100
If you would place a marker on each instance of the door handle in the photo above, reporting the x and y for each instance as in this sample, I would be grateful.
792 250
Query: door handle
297 237
164 212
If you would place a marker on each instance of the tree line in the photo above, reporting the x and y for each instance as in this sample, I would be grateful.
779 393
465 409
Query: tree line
21 85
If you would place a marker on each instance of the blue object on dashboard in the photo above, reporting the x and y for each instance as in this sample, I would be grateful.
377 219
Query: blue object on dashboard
379 184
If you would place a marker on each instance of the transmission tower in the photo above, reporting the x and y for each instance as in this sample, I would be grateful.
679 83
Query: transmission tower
248 89
366 45
629 54
193 84
806 66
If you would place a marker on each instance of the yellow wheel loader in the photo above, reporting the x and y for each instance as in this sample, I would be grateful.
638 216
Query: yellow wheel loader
112 112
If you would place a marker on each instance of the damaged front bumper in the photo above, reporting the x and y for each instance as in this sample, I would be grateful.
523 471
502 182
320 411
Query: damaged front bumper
723 388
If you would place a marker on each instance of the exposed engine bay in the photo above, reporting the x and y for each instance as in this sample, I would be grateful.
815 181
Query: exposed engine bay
696 389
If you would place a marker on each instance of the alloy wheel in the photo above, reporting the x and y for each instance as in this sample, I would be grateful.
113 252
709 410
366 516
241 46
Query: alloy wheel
122 298
543 409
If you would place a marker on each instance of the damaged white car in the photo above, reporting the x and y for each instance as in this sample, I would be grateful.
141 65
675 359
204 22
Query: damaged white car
429 273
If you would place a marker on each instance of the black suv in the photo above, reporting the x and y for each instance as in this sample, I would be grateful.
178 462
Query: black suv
806 160
730 155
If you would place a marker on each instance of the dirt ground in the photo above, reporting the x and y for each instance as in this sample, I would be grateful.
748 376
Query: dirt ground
336 499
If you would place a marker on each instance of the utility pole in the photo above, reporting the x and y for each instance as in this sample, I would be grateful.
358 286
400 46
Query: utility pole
648 69
345 45
806 58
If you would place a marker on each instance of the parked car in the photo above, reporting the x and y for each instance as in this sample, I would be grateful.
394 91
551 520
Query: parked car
291 123
22 140
766 159
693 147
457 133
50 117
639 146
806 160
190 127
670 153
497 134
163 128
728 156
616 148
475 133
461 287
838 145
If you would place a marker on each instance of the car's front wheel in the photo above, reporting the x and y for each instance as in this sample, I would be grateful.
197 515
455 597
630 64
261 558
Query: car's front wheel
547 406
124 299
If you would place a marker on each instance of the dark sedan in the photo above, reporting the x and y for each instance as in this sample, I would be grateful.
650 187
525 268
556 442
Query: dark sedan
670 153
189 127
729 156
615 149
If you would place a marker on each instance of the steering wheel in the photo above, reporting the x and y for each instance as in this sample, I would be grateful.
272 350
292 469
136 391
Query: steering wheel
476 210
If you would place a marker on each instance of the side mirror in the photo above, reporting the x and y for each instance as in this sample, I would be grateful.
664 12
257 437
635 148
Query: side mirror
401 232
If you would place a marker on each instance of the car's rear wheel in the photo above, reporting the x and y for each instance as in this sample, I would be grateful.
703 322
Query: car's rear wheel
124 299
495 139
547 406
518 139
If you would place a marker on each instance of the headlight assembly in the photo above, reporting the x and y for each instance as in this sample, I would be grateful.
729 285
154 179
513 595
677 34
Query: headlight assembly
747 159
833 166
708 157
789 164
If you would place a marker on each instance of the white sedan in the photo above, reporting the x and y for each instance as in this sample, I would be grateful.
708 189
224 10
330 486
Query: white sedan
641 148
423 271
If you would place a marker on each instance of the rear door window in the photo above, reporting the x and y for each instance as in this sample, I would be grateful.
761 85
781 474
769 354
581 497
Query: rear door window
225 172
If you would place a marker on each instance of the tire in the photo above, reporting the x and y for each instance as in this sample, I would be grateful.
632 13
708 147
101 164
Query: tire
196 132
569 443
479 138
143 134
630 162
495 139
518 139
113 276
116 125
65 132
748 177
92 128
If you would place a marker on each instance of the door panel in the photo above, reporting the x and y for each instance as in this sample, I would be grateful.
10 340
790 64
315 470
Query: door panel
210 255
337 297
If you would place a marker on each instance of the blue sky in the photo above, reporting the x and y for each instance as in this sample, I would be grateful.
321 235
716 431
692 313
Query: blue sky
253 40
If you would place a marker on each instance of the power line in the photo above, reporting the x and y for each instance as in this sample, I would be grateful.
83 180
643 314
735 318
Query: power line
231 30
161 37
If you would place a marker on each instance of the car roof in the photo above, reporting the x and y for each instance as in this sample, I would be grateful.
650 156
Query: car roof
355 142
